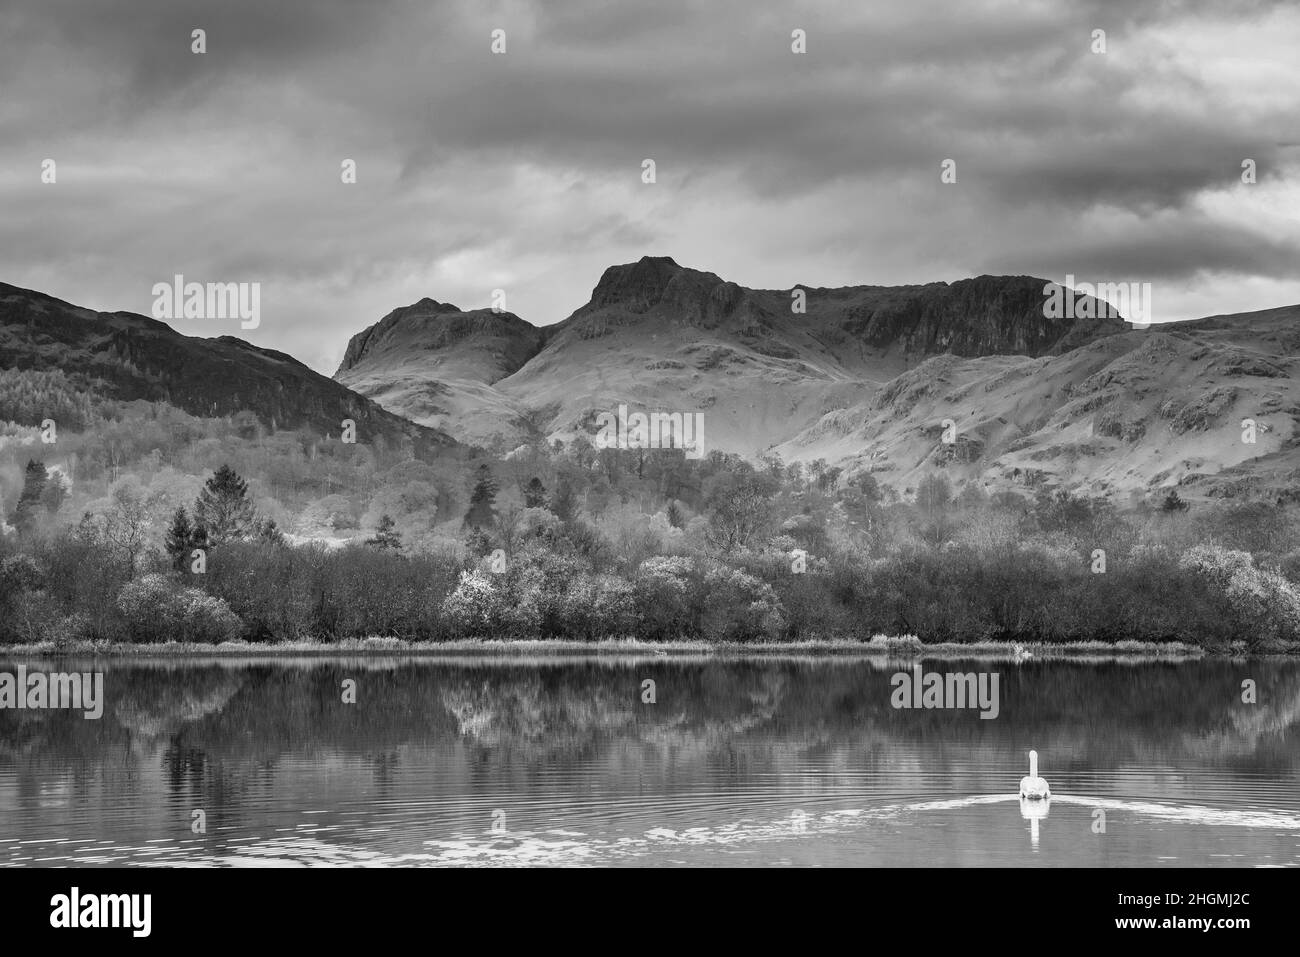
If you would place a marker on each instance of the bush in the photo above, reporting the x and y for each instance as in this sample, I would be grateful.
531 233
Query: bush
739 607
1268 605
663 591
478 606
157 608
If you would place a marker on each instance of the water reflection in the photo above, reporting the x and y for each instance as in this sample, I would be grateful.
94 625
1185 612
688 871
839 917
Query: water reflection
761 761
1033 811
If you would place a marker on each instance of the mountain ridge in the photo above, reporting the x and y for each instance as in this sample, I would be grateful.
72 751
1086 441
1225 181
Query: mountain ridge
139 357
655 332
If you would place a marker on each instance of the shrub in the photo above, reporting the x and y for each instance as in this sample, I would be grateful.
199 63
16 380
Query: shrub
477 607
739 607
600 606
156 608
1268 604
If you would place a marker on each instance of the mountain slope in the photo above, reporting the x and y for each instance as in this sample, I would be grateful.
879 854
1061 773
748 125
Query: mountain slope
660 337
1142 409
435 364
126 356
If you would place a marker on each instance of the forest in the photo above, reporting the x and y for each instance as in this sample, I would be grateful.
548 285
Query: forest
134 522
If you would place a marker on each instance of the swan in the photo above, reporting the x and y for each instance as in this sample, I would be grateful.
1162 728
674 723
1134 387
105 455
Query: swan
1034 787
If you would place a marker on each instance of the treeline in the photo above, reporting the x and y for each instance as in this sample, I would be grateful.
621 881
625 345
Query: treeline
124 532
945 568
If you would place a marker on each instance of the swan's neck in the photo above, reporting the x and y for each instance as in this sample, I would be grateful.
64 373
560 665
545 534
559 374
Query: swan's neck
1033 764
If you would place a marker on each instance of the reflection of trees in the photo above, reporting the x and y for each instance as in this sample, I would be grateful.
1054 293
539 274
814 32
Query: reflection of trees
214 731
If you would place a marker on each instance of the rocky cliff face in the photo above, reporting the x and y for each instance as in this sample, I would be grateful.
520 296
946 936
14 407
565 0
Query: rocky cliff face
989 315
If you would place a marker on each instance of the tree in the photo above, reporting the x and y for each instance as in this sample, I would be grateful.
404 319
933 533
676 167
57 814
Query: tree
565 502
868 487
266 530
934 493
182 538
127 522
223 507
535 494
817 468
830 478
738 509
386 535
674 515
482 501
55 493
29 500
1173 503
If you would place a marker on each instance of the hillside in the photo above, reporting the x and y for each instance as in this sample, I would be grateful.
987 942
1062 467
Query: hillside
436 364
657 336
125 356
1143 409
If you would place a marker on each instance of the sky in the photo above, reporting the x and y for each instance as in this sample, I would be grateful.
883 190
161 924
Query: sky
523 171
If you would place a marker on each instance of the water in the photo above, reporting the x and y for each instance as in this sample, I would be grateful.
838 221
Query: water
795 761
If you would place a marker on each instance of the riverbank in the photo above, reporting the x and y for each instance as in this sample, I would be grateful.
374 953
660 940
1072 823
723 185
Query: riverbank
893 648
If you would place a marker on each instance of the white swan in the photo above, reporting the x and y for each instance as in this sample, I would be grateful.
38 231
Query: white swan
1034 787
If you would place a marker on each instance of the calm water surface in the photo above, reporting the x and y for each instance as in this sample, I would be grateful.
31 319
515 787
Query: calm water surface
738 762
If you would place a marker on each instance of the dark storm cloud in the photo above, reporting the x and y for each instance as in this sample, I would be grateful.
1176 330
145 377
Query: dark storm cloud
524 169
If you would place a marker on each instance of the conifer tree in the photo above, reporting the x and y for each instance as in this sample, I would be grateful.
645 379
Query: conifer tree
535 494
482 501
177 541
29 500
386 535
223 507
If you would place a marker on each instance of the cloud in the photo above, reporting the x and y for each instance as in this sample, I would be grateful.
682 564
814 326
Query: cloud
522 171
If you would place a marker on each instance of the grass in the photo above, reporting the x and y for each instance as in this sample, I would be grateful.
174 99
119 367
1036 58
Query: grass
903 646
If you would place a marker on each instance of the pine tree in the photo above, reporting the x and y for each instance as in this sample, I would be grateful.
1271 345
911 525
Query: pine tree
29 500
535 494
177 540
182 537
386 535
223 508
1173 502
54 493
675 517
482 501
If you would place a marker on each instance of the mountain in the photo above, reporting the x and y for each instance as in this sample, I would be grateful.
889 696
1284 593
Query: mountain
661 337
1143 409
120 355
435 364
